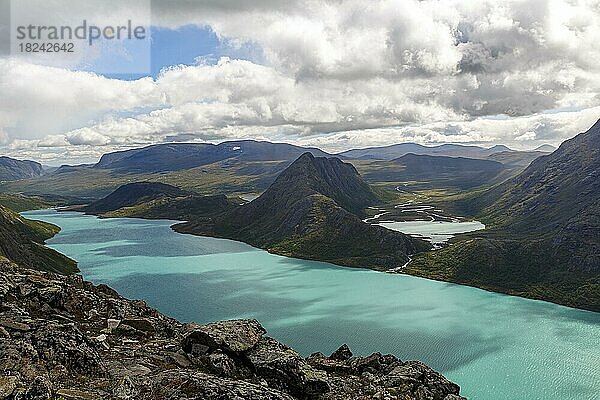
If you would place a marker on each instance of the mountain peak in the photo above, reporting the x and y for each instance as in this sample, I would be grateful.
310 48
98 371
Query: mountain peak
499 147
306 155
330 177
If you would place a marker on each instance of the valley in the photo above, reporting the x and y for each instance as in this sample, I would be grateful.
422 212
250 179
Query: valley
369 208
315 214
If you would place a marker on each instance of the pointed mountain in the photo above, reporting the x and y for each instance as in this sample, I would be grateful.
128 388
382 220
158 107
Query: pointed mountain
310 175
311 211
498 148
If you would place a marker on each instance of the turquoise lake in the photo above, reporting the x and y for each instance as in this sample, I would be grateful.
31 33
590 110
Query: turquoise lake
495 347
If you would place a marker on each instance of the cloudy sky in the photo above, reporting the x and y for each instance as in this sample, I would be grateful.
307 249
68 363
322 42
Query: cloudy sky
336 74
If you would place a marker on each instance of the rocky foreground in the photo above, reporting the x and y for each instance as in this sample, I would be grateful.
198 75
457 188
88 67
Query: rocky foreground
64 338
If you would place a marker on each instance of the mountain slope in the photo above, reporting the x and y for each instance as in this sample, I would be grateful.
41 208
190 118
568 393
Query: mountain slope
12 170
157 201
310 211
21 241
564 185
543 239
179 156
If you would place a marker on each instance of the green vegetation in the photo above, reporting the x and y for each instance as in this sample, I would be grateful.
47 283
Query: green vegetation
543 236
510 266
21 241
157 201
20 203
132 194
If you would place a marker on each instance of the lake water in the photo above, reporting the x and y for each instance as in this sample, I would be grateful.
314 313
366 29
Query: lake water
496 347
437 232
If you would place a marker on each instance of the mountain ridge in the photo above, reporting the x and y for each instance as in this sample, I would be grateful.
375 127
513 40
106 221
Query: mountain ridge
400 149
131 194
177 156
12 169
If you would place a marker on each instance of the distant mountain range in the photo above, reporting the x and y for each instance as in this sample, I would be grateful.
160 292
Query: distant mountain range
435 171
543 236
178 156
251 166
399 150
12 170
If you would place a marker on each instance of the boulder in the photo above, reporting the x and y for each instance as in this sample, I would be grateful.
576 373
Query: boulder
234 336
284 369
341 354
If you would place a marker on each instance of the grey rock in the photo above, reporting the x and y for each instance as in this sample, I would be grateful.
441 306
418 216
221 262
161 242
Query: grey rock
14 326
8 384
234 336
125 389
195 385
140 324
342 354
72 394
284 369
39 389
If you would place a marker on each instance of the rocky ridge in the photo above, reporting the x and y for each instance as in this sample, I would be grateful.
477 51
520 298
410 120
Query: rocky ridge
64 338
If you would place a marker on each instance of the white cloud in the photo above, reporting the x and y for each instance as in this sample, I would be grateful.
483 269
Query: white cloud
338 74
520 133
38 100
